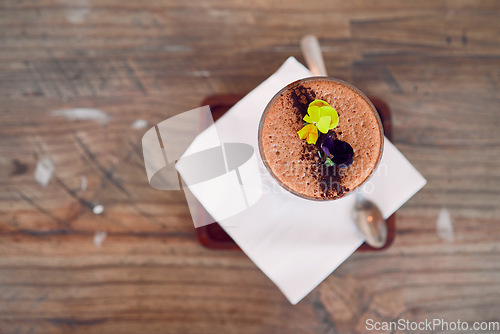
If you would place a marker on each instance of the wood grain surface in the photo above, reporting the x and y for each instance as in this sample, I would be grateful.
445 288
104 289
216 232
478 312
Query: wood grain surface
436 63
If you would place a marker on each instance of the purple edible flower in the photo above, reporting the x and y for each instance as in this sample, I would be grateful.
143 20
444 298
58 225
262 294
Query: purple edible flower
338 151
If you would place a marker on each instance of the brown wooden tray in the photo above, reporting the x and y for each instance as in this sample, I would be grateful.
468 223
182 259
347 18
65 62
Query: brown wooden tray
212 236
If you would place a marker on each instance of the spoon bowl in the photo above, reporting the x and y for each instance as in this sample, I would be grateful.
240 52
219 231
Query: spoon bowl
370 222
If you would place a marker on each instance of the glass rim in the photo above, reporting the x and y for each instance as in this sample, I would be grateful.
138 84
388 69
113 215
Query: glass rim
287 88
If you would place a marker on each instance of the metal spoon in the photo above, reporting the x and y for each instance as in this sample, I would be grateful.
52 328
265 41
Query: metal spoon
370 222
312 53
367 216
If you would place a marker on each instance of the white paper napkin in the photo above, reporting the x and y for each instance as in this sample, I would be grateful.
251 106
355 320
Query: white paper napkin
297 243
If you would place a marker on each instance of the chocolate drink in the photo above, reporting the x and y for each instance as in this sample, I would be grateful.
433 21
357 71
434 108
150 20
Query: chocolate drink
305 168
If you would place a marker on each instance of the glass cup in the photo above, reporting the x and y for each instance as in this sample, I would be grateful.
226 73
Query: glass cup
312 80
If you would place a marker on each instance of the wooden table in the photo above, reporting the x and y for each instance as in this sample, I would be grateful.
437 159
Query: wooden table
436 63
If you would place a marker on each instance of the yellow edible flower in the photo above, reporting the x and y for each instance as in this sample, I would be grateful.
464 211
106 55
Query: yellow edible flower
309 132
322 115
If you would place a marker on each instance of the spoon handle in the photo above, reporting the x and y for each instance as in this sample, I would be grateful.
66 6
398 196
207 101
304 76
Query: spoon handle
312 53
